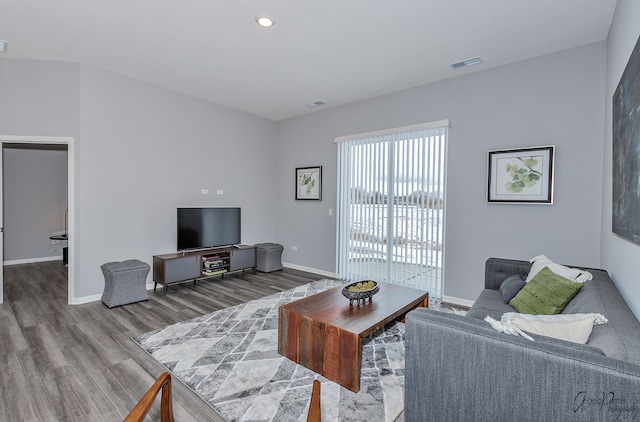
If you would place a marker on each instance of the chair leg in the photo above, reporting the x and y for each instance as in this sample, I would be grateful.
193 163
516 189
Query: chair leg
314 406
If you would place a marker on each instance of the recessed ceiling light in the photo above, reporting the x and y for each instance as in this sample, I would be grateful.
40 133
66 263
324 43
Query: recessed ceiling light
265 21
466 63
3 46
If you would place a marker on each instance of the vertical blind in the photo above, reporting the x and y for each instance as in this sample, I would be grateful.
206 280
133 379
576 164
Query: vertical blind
391 202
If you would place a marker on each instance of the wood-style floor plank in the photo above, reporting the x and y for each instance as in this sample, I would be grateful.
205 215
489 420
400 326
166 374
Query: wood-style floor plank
61 362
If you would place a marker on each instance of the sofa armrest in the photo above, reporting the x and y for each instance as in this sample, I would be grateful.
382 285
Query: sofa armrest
496 270
460 369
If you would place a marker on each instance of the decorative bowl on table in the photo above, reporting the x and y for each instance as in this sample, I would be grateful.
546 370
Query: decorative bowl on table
360 290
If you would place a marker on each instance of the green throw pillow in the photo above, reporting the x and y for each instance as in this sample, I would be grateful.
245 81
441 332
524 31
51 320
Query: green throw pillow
546 294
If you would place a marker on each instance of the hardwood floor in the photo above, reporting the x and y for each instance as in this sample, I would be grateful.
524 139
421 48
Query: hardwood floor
61 362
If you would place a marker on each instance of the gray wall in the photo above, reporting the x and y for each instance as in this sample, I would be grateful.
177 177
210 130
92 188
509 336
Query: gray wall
143 152
140 152
39 98
554 99
619 256
34 200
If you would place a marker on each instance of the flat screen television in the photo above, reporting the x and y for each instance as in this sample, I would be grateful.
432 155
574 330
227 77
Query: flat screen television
200 228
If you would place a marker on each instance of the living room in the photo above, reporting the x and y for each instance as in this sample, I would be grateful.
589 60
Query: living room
139 151
138 154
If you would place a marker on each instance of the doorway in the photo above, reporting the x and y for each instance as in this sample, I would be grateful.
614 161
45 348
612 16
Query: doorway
66 221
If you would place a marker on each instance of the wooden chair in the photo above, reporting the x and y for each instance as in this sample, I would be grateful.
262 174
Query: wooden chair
314 406
166 411
142 408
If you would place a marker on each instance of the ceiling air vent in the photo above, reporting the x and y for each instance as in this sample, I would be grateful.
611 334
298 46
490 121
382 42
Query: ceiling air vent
316 104
466 63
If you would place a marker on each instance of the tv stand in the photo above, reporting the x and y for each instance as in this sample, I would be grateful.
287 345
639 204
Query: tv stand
187 266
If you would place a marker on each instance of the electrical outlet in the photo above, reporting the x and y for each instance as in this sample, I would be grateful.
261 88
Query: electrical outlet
294 248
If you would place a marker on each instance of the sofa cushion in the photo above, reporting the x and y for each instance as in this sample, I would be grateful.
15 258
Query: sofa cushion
574 274
618 338
489 303
546 294
511 286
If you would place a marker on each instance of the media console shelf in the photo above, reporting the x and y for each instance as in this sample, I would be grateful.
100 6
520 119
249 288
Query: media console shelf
183 267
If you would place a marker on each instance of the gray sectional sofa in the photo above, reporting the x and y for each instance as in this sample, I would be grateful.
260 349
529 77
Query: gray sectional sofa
458 368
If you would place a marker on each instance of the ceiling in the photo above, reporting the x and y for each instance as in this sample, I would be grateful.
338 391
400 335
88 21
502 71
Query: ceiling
336 51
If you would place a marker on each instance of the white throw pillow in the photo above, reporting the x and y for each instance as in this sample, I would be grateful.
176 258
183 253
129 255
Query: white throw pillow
570 327
574 274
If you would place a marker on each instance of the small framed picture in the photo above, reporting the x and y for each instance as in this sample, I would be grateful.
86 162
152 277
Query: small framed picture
309 183
521 176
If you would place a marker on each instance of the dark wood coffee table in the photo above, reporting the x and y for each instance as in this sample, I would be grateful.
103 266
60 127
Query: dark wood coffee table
324 332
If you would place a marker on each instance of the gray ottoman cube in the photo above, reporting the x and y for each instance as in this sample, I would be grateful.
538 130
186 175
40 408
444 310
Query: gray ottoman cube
124 282
269 257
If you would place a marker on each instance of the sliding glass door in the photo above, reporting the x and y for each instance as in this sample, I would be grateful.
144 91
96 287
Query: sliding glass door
391 206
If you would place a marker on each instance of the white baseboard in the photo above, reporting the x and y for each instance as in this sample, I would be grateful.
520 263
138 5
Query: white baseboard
449 299
84 299
457 301
95 298
32 260
309 269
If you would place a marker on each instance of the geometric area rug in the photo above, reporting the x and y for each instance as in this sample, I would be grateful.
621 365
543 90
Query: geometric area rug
230 359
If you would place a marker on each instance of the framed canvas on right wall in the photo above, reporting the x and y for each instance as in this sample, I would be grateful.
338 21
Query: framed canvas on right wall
626 151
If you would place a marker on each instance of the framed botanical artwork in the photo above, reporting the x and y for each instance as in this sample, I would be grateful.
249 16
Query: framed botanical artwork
309 183
521 176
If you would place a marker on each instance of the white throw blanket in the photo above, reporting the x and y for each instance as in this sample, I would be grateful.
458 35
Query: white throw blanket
516 324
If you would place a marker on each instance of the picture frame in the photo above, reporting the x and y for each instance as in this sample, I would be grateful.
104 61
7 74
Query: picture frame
521 176
309 183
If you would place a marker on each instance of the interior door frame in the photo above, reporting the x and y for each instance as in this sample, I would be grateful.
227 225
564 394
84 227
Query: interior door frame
57 140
